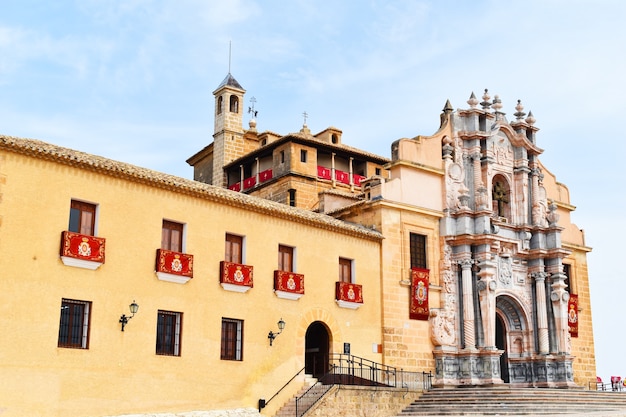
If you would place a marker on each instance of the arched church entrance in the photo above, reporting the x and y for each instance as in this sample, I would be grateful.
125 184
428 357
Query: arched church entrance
316 351
511 337
502 345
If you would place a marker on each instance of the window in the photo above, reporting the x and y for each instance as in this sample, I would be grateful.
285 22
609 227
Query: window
168 333
417 247
285 258
74 324
172 236
302 155
345 270
282 157
82 218
234 104
500 197
232 340
377 171
220 102
292 197
234 249
567 271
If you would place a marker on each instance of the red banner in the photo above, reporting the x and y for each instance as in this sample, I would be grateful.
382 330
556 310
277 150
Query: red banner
75 245
346 291
236 274
174 263
323 172
289 282
265 175
418 308
572 315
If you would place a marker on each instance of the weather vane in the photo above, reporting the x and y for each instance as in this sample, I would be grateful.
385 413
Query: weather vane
251 108
305 114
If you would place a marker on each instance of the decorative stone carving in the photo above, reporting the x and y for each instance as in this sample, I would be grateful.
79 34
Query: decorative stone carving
442 327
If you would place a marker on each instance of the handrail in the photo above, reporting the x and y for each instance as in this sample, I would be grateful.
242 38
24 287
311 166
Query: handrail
263 403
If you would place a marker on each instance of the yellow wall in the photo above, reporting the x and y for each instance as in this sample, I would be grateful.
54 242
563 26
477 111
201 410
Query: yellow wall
120 372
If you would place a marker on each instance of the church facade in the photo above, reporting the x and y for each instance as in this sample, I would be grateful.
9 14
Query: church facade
456 255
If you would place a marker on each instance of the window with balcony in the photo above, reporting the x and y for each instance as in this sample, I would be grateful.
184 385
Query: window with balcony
348 294
79 245
172 264
345 270
234 248
232 340
169 326
234 275
287 283
74 324
285 258
172 236
82 218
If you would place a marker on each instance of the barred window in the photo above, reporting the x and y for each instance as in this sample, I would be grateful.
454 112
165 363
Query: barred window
417 247
169 326
232 340
74 324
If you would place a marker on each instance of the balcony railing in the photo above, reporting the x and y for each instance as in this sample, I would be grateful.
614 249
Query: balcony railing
235 277
174 266
82 251
348 295
288 285
252 181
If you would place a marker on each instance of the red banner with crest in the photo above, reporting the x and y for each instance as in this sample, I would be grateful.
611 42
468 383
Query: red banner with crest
174 263
418 308
346 291
75 245
237 274
289 282
572 315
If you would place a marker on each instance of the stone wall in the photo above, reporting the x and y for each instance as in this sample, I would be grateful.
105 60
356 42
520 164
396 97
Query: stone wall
342 401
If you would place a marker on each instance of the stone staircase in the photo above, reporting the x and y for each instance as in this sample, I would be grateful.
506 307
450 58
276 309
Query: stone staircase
516 401
289 408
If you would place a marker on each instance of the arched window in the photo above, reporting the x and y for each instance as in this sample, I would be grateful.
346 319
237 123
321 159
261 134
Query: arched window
234 104
220 101
501 197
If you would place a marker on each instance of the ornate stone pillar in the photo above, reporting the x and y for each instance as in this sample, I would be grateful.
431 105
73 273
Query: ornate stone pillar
542 314
480 191
469 338
487 293
560 298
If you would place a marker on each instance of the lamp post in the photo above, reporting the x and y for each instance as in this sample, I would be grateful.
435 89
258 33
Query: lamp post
281 326
133 309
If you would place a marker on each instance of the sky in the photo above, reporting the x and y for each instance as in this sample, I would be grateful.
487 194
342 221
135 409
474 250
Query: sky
132 81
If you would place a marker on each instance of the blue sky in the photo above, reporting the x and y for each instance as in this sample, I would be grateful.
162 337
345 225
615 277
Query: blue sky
133 80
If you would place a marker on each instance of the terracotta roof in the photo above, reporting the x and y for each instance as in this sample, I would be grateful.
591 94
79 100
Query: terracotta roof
82 160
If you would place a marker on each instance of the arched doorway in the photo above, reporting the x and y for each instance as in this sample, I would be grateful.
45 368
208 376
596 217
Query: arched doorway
316 351
501 345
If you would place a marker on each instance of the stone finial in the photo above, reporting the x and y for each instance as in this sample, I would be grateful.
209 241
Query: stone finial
519 114
486 103
252 124
473 101
447 108
497 103
530 119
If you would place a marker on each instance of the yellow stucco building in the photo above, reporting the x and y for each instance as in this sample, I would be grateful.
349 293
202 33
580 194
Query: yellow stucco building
455 256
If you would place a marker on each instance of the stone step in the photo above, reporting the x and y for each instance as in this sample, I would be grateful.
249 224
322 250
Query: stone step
512 401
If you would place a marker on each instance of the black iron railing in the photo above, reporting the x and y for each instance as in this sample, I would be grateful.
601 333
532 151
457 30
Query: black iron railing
352 370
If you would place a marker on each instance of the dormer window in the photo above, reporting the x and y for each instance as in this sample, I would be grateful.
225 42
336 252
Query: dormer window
234 104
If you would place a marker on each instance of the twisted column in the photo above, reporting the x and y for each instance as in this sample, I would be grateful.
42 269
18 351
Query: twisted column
469 339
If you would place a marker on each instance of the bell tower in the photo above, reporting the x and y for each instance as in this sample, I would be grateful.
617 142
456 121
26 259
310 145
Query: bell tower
228 129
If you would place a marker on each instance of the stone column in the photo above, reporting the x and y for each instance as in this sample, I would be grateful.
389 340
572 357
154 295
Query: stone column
487 292
469 338
560 298
542 314
480 191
